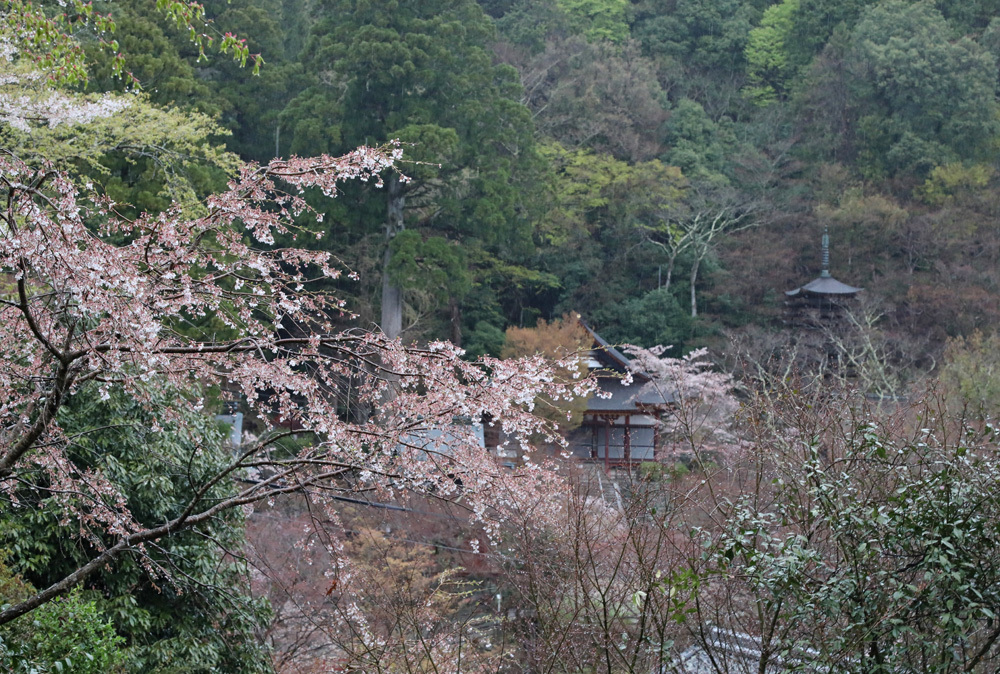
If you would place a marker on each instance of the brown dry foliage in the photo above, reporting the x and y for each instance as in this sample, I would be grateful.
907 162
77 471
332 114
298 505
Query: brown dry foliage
554 339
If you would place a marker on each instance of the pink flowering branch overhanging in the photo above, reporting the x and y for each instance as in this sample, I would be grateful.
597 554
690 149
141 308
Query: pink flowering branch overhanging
91 299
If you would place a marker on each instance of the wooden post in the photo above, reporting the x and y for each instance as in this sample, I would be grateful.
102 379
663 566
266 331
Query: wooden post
607 444
628 439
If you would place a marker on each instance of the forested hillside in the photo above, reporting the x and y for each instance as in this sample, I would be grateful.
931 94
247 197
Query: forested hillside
288 208
574 153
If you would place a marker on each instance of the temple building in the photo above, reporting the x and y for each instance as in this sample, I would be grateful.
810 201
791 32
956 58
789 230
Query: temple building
621 427
822 300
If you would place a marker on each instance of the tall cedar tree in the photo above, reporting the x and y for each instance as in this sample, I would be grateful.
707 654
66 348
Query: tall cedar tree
423 73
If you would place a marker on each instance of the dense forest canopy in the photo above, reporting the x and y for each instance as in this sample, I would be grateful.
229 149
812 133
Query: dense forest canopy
567 145
568 153
663 168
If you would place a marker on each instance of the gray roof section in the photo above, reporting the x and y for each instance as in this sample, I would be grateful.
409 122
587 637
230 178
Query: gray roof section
739 653
606 352
440 440
825 285
626 398
623 398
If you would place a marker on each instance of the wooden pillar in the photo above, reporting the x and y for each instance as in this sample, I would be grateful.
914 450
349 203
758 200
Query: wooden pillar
628 440
593 443
607 443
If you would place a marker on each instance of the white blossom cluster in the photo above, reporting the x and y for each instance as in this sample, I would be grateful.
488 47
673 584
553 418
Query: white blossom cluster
22 111
26 101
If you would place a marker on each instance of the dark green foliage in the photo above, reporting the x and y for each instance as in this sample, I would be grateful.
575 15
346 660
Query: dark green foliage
161 58
398 65
968 17
529 24
888 563
931 99
69 634
485 340
252 106
594 235
423 73
182 606
656 318
432 263
599 20
814 24
889 93
311 121
158 57
902 96
702 34
700 147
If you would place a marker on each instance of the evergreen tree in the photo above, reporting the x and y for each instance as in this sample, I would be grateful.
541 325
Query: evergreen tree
423 73
182 605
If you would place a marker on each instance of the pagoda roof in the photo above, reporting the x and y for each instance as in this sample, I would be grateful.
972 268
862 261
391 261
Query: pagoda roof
825 285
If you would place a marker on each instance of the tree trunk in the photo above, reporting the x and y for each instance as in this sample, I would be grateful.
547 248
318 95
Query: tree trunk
392 295
670 272
694 279
456 321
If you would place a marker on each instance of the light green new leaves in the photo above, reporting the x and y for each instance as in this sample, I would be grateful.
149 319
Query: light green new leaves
598 19
767 53
51 41
69 634
79 133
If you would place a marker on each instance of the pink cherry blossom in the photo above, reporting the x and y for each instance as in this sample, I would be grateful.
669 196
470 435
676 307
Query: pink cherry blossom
93 299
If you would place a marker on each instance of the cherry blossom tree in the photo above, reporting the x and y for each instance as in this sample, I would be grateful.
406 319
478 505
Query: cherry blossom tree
92 299
700 402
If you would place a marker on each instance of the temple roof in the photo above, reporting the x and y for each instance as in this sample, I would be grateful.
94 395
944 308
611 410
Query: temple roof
606 354
626 398
825 285
640 394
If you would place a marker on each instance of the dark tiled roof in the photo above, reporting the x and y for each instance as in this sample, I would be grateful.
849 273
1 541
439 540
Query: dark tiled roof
623 398
605 352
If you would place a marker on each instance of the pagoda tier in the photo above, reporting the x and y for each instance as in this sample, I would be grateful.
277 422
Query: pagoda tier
820 301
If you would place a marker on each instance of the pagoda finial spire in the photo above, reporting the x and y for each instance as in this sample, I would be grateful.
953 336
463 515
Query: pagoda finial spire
826 253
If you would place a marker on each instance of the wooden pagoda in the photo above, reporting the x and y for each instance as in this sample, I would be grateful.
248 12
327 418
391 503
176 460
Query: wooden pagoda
822 300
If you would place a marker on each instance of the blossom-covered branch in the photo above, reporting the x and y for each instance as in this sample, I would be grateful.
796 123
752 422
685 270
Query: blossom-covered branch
93 299
699 400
